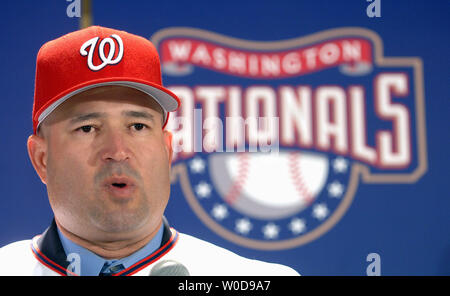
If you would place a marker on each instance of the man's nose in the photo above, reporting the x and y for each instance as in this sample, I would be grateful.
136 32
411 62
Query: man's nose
115 147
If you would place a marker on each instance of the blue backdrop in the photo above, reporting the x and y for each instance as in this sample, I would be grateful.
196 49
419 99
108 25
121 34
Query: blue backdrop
406 223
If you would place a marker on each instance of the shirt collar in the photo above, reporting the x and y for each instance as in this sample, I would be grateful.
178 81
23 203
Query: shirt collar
90 264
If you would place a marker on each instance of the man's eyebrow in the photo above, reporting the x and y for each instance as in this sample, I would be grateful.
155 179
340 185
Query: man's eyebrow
87 116
138 114
95 115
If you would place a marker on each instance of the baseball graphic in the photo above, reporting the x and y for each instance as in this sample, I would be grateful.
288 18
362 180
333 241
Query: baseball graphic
269 186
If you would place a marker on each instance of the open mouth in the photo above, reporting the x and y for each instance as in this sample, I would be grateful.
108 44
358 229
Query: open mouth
118 182
119 185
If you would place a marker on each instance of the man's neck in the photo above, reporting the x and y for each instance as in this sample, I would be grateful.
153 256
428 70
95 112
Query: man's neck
111 249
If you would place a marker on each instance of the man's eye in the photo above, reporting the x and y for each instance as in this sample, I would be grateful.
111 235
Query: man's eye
85 128
139 126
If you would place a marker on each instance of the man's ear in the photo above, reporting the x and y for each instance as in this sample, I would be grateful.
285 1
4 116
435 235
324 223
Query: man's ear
168 143
37 151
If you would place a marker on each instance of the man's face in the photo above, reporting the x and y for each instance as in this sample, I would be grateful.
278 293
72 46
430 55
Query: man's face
107 163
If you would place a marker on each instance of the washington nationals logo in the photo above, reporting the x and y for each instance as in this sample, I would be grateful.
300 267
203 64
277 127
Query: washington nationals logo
106 60
345 114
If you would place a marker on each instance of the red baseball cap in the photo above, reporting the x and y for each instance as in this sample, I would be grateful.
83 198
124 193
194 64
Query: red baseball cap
93 57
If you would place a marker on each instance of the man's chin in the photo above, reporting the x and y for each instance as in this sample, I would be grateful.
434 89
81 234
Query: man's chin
120 220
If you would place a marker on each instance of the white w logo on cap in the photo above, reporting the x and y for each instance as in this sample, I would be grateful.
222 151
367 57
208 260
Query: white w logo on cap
106 60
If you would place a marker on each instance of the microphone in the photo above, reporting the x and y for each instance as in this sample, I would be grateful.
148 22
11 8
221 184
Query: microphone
169 268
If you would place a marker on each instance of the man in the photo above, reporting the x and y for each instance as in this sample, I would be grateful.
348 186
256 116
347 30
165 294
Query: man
100 147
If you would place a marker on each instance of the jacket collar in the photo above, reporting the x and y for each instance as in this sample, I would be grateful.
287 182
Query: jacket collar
48 250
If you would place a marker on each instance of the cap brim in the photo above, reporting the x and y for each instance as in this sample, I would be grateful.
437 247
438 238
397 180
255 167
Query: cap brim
167 100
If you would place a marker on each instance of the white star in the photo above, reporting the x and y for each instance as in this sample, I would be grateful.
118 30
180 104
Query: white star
297 225
243 226
335 189
340 165
197 165
203 189
271 231
219 211
320 211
